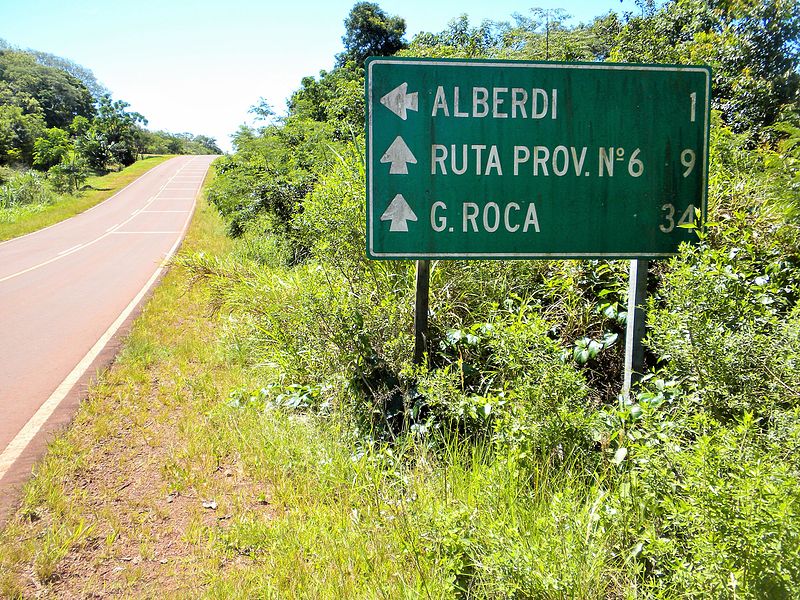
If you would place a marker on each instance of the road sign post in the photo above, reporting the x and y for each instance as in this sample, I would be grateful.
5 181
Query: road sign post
422 296
491 159
634 327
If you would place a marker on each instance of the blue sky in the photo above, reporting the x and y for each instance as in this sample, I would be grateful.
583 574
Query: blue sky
198 65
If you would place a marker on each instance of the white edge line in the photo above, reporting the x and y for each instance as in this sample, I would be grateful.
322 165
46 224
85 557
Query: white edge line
17 446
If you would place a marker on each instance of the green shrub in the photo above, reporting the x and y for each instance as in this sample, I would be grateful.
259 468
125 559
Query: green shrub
722 506
69 174
26 188
719 317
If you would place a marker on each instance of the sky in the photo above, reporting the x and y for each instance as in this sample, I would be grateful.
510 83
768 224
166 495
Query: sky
199 65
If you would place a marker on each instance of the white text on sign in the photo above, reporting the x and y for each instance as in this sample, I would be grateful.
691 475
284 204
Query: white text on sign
483 160
499 103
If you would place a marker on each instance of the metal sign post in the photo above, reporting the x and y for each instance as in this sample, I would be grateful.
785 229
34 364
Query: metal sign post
421 311
634 328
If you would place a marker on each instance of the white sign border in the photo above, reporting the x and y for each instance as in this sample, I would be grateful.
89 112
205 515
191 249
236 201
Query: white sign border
523 65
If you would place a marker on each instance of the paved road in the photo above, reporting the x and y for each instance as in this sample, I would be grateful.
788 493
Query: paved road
66 290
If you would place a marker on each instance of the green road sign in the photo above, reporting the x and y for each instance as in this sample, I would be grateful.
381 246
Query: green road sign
509 159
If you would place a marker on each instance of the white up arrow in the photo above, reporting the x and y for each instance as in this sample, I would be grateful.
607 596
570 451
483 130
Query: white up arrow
399 213
399 155
398 101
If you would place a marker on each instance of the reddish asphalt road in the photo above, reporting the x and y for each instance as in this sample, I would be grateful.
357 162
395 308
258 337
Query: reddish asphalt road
65 290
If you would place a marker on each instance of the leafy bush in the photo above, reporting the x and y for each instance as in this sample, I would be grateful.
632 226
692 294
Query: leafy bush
69 174
721 506
719 319
26 188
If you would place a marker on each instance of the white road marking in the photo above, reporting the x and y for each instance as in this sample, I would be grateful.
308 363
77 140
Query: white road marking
68 250
15 448
107 232
137 180
154 232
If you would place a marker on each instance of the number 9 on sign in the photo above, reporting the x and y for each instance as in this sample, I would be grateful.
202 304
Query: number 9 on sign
688 159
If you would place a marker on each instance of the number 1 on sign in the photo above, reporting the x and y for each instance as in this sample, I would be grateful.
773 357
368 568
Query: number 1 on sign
693 97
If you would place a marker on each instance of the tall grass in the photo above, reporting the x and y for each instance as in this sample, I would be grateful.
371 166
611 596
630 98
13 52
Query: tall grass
361 521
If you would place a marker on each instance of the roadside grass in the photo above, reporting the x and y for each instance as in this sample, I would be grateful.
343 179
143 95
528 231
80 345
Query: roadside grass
169 485
97 500
19 220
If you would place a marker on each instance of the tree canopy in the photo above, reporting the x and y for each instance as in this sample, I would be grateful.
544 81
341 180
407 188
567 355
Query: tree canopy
55 94
369 31
56 116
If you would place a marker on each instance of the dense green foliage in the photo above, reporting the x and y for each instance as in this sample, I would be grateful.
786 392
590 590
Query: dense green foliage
689 488
752 47
370 32
56 118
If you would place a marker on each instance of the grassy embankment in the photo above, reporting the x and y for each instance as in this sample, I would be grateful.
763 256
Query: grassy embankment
19 220
170 484
166 485
96 516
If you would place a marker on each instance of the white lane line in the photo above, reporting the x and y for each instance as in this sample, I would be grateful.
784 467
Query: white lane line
98 205
163 211
145 232
15 448
75 247
94 241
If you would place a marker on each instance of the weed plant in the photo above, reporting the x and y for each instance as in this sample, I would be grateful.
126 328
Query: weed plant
506 465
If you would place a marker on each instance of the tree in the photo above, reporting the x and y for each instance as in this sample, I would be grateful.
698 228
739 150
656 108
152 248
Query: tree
369 31
553 19
59 95
208 143
79 72
460 39
70 173
18 132
262 110
51 148
337 97
752 46
545 36
113 135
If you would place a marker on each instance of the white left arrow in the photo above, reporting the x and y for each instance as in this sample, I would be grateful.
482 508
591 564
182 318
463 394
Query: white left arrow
399 213
399 101
399 154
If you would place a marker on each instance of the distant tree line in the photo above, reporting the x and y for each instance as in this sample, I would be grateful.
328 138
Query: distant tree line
56 117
